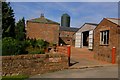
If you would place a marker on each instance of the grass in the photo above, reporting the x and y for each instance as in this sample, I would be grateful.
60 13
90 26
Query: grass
17 77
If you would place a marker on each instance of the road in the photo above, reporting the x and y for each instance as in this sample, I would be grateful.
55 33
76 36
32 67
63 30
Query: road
110 71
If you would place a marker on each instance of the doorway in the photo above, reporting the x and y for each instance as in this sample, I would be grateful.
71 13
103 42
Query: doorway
85 38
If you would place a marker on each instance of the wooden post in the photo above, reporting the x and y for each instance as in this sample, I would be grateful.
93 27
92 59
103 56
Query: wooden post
69 52
113 55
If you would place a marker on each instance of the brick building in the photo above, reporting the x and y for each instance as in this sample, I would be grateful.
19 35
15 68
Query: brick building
43 28
66 35
107 36
66 32
50 31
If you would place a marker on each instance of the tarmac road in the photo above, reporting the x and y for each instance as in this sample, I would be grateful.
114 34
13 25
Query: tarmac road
110 71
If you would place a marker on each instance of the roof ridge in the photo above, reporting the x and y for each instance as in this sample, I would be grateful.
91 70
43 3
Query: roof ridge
40 20
92 23
114 18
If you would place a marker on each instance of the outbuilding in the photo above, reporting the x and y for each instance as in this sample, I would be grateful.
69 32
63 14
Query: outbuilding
43 28
66 35
107 38
84 36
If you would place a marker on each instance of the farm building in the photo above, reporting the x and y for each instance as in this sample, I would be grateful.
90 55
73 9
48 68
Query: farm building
43 28
66 32
50 31
66 35
107 36
84 36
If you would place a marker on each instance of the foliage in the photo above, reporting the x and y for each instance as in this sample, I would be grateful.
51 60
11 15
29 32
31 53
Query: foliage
40 51
20 30
17 77
36 46
52 44
8 21
41 43
37 43
11 46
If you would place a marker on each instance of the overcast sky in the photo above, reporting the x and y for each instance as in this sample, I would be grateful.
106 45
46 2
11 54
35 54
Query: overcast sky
80 12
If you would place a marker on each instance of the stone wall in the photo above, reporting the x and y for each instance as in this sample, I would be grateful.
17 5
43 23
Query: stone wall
33 64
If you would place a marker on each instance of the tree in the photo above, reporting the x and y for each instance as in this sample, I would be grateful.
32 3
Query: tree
8 21
20 30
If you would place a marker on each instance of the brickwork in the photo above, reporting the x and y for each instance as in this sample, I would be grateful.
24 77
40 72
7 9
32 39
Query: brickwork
103 52
33 64
66 37
62 49
48 32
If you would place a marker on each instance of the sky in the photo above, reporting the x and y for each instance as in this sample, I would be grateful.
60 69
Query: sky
80 12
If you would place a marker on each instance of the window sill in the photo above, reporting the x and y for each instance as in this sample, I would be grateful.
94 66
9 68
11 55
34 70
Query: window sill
104 44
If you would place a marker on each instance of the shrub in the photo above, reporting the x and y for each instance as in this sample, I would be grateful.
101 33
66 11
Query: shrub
8 46
37 52
41 43
11 46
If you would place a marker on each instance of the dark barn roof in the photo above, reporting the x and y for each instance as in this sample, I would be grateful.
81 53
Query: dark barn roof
68 29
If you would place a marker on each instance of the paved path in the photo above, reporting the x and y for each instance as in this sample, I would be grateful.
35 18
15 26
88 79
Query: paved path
82 57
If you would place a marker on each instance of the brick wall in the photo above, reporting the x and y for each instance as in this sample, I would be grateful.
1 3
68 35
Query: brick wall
62 49
48 32
118 44
103 52
66 37
33 64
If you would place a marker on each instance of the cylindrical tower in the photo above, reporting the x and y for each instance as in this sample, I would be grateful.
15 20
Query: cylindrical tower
65 20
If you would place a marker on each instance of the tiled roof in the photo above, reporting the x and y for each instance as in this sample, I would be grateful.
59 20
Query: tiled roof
43 20
114 20
68 29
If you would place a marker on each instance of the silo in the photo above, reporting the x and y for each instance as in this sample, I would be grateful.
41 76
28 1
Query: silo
65 20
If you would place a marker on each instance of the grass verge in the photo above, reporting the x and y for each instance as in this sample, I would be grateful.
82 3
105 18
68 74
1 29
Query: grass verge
17 77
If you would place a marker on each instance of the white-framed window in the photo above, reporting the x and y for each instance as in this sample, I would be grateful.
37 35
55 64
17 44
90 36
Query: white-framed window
104 37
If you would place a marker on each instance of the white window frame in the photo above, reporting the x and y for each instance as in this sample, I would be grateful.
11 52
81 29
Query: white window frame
104 37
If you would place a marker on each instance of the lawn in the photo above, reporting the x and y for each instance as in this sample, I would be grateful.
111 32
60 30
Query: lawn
18 77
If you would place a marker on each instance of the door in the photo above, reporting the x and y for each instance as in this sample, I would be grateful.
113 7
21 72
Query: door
90 45
78 39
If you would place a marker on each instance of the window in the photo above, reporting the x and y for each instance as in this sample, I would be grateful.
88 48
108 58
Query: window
104 37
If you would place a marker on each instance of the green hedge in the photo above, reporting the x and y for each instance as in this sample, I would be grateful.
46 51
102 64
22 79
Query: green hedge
11 46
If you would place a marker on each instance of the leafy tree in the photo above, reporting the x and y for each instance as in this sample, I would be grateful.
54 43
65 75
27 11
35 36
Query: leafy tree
8 21
20 30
